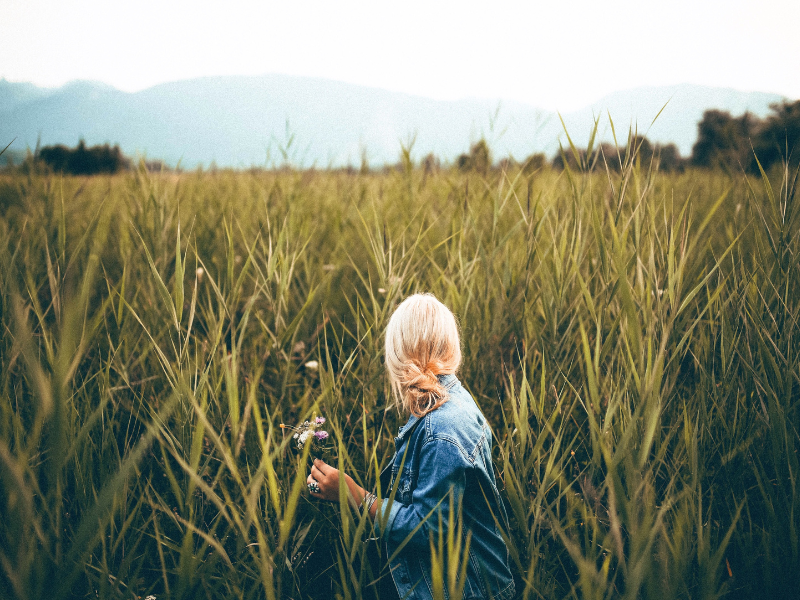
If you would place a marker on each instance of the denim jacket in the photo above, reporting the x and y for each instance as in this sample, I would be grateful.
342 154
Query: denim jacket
450 449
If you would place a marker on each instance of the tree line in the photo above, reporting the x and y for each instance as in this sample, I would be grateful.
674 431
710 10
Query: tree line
83 159
727 142
742 142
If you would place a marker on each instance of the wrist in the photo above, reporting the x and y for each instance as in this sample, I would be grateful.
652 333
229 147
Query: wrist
355 490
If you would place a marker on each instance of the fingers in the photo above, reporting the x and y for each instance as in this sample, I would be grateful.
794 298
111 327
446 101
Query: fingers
326 478
316 473
322 466
320 469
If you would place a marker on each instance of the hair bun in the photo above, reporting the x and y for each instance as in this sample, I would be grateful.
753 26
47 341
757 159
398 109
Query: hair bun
421 382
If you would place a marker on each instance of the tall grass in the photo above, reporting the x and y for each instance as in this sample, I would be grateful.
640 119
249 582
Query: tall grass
632 338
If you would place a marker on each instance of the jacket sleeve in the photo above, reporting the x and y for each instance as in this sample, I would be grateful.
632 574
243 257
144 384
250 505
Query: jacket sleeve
442 468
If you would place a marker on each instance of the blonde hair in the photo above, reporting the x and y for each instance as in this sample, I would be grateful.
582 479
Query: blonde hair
422 342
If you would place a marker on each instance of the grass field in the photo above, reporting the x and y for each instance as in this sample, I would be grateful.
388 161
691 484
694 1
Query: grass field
632 337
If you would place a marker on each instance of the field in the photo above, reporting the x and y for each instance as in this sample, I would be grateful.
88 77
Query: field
631 336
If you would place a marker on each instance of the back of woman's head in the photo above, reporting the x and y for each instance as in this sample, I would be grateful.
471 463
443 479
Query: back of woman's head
421 342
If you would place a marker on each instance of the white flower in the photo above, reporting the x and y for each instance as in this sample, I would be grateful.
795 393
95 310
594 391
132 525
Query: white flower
301 441
150 598
312 364
381 290
328 268
200 272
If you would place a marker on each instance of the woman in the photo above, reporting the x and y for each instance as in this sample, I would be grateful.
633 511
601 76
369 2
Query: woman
443 456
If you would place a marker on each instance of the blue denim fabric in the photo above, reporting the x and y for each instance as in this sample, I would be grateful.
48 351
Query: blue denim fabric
449 450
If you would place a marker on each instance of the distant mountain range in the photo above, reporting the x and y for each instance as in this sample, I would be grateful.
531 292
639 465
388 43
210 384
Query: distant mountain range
246 121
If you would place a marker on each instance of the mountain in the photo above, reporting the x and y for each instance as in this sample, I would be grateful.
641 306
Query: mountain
245 121
13 95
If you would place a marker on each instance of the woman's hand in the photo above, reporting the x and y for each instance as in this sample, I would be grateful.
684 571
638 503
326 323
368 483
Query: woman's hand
327 479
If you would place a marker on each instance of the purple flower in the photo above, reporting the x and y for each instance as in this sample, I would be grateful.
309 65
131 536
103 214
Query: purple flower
321 435
320 421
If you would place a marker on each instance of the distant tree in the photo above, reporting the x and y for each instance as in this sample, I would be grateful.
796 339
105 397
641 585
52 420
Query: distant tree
478 159
480 156
57 157
534 162
659 157
506 164
779 136
609 156
723 141
156 166
566 154
84 160
639 148
669 158
431 163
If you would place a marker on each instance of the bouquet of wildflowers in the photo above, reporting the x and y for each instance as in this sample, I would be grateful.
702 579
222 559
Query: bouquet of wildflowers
311 432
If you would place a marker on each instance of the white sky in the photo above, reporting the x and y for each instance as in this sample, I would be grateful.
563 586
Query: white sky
558 54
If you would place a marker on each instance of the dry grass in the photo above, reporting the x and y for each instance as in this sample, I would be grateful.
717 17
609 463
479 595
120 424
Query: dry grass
632 338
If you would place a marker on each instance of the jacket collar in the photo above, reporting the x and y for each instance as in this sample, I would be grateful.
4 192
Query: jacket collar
447 381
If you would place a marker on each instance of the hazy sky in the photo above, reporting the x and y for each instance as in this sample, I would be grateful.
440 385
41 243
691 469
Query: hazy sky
559 54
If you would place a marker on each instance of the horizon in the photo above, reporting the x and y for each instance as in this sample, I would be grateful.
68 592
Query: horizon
244 121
